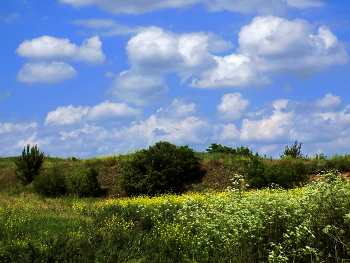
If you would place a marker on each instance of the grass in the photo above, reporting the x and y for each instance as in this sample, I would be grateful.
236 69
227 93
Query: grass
309 224
209 223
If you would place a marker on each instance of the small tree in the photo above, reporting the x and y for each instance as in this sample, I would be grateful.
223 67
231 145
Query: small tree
29 163
218 148
159 169
294 151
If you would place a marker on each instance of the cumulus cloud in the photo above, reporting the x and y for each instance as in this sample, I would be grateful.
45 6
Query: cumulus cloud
330 101
318 124
137 7
138 89
157 51
233 70
12 134
106 110
112 111
45 72
66 115
272 44
232 107
280 45
267 45
60 49
178 109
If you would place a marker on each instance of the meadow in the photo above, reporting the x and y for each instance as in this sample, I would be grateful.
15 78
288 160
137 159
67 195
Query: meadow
216 220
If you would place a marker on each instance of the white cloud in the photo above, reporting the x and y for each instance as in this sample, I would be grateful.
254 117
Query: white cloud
137 7
154 50
233 70
189 130
216 44
178 109
79 115
232 107
45 72
51 48
8 127
330 101
280 45
275 127
321 127
138 89
226 133
66 115
112 111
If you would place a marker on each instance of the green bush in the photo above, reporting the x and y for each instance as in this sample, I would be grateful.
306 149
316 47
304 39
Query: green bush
294 151
83 182
218 148
51 182
288 173
161 168
28 164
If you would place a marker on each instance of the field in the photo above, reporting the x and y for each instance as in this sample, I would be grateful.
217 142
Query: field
211 222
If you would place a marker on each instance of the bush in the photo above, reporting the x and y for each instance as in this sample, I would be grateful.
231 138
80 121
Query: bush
218 148
287 173
50 183
83 182
28 165
161 168
294 151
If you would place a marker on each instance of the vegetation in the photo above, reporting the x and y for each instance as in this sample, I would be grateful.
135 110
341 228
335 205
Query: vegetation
244 208
218 148
288 173
162 168
294 151
28 165
309 224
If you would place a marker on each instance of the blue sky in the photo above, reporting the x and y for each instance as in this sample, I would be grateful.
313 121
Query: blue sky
86 78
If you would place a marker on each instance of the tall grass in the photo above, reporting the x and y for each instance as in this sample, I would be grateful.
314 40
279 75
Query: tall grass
309 224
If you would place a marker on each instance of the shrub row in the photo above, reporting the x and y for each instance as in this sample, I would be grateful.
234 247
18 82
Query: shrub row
79 181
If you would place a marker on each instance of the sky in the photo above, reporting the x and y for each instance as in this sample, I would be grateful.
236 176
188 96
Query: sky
89 78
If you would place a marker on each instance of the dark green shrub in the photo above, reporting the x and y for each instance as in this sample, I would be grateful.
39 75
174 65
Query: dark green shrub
29 163
294 151
340 163
83 182
256 173
51 182
288 173
161 168
218 148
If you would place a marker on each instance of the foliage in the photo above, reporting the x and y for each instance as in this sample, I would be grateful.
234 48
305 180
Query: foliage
29 163
308 224
83 182
288 173
294 151
51 182
218 148
161 168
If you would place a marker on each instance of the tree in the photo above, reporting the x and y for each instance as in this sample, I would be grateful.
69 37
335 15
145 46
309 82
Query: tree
159 169
218 148
28 165
294 151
